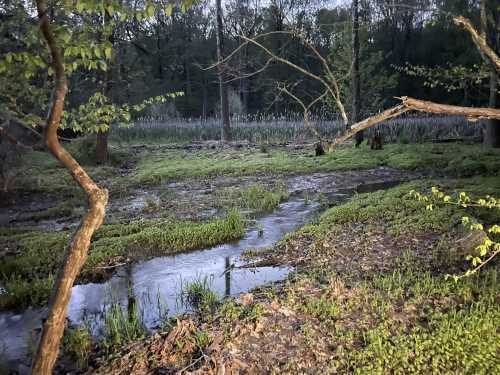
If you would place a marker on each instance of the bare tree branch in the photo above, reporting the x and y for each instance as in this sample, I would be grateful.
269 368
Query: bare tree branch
306 108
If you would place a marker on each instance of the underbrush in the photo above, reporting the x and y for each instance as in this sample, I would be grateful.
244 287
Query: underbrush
27 278
401 214
43 174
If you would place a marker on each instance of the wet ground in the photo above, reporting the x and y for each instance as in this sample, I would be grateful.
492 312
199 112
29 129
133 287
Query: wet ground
156 285
190 200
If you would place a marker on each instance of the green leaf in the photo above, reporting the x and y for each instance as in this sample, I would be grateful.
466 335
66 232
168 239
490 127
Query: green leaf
169 9
150 10
108 52
80 6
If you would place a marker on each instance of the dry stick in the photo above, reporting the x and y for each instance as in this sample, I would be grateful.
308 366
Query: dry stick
248 75
489 56
326 67
335 92
76 253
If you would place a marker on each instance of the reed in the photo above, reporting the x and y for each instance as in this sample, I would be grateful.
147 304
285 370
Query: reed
263 129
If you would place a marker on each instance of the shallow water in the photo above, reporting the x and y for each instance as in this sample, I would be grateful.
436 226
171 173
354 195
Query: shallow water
156 285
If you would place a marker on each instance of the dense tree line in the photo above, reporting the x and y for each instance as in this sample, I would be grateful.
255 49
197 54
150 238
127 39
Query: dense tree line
399 41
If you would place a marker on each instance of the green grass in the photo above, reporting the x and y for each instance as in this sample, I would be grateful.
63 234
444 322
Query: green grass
256 198
403 214
122 327
64 209
28 277
199 296
77 344
44 174
408 320
456 160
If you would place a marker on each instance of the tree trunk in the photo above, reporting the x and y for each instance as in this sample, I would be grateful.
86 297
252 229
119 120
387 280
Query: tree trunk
101 147
355 80
492 134
224 102
102 137
76 253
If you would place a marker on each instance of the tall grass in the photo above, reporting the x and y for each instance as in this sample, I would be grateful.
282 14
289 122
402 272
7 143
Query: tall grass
269 129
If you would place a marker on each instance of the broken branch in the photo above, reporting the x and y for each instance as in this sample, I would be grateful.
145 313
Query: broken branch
487 53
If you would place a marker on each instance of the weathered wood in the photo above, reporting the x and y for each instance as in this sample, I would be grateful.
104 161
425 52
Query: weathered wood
412 104
487 53
366 123
472 113
76 253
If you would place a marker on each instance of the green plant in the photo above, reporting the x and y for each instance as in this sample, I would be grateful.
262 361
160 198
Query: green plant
77 343
122 327
199 295
489 248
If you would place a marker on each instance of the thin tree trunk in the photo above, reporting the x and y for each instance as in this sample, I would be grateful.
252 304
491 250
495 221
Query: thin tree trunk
492 133
76 253
224 102
102 137
101 147
355 81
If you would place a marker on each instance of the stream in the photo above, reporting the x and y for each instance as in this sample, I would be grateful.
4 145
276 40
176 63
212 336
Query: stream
156 285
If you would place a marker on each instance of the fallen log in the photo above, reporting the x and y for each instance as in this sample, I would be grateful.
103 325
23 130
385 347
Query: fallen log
412 104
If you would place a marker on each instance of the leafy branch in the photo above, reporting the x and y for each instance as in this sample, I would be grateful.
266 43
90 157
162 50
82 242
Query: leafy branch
489 248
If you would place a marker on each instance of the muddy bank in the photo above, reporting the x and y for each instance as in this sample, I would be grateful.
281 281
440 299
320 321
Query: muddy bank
196 200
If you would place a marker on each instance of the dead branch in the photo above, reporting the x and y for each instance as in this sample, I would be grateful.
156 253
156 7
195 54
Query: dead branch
412 104
306 108
471 113
332 88
248 75
487 53
366 123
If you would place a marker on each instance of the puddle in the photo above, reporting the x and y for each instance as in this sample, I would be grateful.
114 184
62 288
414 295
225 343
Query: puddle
156 285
